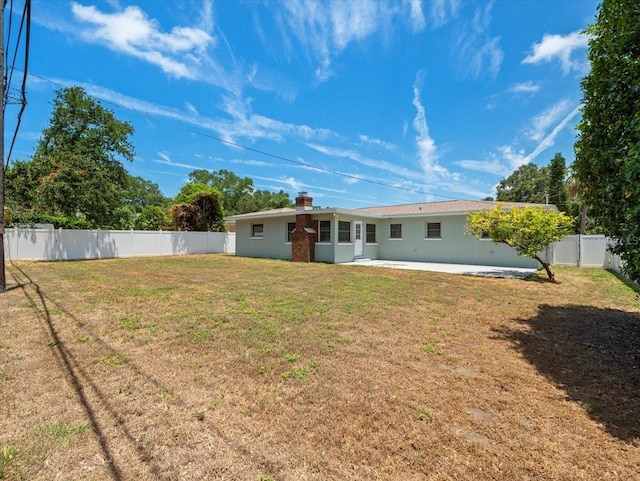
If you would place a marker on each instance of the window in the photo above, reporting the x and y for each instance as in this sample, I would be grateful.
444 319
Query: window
325 231
395 231
344 231
371 233
257 230
290 227
433 230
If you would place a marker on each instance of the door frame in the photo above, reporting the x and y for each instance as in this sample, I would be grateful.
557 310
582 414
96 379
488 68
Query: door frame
358 244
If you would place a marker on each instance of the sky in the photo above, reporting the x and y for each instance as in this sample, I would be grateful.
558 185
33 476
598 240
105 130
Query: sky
358 103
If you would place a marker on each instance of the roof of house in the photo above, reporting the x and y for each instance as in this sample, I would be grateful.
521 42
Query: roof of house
422 208
445 207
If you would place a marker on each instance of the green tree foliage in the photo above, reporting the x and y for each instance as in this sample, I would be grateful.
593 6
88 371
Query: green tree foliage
76 169
197 208
557 176
152 217
528 183
143 193
238 194
608 148
528 230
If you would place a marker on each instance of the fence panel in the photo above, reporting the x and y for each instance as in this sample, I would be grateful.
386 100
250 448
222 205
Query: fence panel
593 251
62 244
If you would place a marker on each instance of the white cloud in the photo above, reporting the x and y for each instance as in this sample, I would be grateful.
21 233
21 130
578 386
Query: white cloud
443 10
131 32
364 139
493 166
182 52
559 47
254 163
191 108
476 53
166 160
427 150
417 17
525 87
326 29
241 122
546 118
507 158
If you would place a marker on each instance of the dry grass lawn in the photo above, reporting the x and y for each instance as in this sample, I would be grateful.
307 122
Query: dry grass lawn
216 367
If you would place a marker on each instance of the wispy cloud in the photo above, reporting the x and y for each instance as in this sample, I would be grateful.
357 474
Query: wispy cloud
240 121
426 145
507 158
546 118
560 48
493 166
525 87
366 140
443 10
476 53
165 159
326 29
254 163
356 156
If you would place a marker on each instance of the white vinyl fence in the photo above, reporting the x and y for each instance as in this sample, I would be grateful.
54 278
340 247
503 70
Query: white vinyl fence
65 244
584 251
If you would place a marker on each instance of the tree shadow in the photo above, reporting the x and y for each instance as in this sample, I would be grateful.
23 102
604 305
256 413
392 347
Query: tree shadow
593 355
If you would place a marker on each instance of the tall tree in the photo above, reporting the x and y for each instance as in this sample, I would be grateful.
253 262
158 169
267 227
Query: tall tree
197 208
557 187
528 230
608 147
238 194
528 183
76 168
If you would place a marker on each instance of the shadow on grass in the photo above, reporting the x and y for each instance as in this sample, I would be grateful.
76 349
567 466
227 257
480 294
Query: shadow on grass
594 356
39 300
76 374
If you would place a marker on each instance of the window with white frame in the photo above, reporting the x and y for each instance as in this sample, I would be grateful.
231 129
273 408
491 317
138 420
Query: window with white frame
257 230
344 231
434 230
395 231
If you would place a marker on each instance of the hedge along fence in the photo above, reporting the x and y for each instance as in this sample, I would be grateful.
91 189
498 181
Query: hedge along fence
66 244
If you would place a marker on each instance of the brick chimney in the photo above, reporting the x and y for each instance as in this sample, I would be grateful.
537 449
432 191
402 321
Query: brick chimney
304 202
303 242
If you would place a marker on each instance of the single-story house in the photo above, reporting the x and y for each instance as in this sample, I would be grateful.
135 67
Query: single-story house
423 232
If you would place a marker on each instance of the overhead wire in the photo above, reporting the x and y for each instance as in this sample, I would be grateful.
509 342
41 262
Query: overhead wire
258 151
23 89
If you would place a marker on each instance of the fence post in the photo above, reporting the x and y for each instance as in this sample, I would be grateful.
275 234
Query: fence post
579 260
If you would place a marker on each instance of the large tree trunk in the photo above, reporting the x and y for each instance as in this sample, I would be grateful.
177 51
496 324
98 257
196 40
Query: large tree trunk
583 219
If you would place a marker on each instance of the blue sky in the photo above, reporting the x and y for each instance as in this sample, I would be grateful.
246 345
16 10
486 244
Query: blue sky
359 102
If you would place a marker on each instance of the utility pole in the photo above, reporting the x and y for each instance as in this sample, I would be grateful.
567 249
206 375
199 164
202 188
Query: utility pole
3 277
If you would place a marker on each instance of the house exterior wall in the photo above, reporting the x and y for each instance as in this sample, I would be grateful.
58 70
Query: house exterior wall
273 242
453 246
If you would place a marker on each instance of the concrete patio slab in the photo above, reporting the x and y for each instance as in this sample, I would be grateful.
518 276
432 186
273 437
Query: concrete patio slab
472 270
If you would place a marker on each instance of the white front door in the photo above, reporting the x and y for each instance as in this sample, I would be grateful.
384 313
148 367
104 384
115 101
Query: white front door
358 243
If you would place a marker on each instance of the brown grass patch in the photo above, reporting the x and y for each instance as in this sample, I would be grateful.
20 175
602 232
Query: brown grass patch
216 367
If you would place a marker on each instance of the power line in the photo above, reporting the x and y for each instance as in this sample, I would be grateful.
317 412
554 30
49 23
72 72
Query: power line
26 18
258 151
